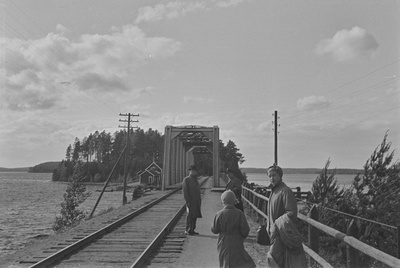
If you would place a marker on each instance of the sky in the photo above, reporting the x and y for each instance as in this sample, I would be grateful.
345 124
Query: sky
330 69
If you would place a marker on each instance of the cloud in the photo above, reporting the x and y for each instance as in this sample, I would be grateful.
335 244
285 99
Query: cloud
168 10
265 126
347 45
312 103
176 9
36 71
228 3
100 82
197 100
146 91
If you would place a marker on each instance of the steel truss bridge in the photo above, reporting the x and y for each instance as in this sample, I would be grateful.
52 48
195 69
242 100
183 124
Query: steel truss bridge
181 144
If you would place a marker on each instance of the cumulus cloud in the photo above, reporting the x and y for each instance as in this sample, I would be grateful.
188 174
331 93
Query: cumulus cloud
146 91
36 71
228 3
197 100
313 103
175 9
264 126
168 10
347 45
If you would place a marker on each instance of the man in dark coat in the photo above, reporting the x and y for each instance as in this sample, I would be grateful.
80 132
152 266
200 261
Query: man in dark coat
191 193
235 185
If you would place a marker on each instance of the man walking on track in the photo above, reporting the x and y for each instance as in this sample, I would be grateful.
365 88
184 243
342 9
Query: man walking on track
191 193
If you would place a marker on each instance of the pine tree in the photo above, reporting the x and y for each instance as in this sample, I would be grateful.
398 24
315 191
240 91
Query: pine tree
73 197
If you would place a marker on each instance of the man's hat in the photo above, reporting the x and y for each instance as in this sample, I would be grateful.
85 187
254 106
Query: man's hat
193 167
228 170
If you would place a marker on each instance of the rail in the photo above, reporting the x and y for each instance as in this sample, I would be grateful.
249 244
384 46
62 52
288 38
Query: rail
142 258
99 234
258 203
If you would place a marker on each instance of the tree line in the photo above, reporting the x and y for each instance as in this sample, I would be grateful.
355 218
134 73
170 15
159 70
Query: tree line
97 153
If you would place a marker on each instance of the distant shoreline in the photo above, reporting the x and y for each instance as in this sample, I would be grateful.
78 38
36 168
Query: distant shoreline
246 170
14 169
306 170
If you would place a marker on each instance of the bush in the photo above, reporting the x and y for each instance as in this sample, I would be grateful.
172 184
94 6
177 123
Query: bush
74 196
376 196
373 195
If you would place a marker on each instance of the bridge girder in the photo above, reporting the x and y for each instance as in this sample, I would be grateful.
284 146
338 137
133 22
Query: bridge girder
179 145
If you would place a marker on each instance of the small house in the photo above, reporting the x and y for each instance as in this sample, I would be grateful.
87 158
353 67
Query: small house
151 175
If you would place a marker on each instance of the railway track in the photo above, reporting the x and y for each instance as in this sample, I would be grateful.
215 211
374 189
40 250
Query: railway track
141 238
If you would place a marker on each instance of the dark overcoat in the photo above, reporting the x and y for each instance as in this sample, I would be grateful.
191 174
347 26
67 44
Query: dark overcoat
192 195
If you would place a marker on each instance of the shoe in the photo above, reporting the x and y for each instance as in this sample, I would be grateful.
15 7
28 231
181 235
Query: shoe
195 233
188 233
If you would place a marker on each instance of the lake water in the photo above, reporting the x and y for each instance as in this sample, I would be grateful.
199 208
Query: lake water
30 202
304 181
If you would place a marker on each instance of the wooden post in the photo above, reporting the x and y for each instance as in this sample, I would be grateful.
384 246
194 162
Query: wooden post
352 254
298 192
276 137
124 198
398 241
255 204
313 233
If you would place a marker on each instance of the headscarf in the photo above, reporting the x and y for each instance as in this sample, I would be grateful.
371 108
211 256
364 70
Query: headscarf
228 198
277 169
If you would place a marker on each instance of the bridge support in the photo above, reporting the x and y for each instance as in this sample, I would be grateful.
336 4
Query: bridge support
178 156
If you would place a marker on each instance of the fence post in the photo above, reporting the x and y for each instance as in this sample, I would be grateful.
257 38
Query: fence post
398 241
313 233
353 260
253 201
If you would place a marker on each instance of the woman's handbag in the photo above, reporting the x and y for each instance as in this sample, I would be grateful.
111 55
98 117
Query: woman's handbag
262 236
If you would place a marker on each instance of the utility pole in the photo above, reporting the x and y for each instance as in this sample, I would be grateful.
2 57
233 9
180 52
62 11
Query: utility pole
124 199
276 136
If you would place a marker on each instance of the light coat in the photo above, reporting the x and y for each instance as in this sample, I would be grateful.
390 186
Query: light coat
286 250
232 227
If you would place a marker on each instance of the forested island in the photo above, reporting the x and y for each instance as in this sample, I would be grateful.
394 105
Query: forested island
96 154
47 167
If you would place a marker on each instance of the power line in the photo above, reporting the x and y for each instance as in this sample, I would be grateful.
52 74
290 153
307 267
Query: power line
349 215
345 128
353 103
363 76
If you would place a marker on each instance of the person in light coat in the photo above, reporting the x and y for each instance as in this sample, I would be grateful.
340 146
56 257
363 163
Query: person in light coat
232 228
286 250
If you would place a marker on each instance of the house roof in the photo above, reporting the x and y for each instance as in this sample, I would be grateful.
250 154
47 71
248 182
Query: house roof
147 171
154 164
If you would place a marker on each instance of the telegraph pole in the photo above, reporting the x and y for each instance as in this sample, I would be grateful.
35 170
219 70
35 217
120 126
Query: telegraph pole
276 136
124 199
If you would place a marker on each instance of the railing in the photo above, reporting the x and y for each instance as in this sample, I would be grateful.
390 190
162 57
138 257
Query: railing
258 203
265 191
